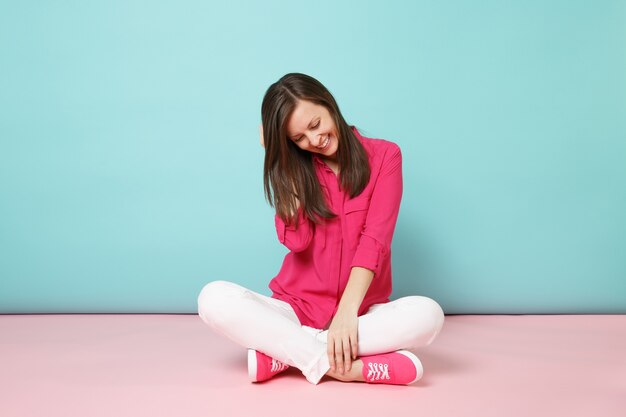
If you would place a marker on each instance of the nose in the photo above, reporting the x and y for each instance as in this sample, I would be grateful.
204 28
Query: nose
317 140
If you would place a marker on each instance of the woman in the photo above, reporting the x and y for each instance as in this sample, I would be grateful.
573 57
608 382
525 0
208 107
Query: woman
337 195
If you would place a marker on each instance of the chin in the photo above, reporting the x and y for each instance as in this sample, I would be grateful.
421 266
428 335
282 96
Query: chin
334 147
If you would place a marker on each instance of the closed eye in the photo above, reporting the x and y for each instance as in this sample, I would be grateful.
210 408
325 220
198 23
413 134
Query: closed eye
313 127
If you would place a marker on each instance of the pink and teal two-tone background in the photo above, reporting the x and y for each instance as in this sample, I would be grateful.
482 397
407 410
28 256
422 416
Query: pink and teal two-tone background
131 171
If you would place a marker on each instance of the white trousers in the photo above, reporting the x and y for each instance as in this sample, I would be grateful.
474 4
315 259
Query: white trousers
270 326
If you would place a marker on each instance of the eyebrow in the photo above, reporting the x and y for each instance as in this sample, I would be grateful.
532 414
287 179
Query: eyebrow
299 134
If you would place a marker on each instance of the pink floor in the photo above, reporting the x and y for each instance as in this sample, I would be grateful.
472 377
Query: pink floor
173 365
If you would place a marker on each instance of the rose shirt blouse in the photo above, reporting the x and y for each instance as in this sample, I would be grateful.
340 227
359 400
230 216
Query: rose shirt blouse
315 272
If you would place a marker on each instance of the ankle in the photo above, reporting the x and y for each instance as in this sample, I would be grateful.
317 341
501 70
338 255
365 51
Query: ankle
354 374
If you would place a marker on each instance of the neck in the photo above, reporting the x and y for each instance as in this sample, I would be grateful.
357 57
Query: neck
329 158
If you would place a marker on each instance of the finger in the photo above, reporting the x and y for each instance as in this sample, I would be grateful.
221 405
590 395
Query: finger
331 353
354 346
346 354
339 355
262 140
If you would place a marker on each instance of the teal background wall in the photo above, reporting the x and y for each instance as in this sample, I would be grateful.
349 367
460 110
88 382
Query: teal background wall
131 173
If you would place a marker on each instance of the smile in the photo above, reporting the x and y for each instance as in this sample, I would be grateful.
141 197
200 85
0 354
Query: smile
326 143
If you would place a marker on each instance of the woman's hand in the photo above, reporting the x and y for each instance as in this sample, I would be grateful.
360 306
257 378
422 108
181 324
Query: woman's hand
342 340
261 133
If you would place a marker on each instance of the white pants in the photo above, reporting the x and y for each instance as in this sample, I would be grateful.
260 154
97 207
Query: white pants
270 326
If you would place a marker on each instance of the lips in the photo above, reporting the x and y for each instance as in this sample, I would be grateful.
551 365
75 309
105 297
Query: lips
326 143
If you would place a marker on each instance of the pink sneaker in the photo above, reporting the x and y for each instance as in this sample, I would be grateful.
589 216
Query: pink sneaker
261 367
398 368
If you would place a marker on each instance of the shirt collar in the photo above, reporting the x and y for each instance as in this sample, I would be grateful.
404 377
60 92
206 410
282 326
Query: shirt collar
321 164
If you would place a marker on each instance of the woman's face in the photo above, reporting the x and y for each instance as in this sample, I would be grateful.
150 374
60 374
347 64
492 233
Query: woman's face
312 129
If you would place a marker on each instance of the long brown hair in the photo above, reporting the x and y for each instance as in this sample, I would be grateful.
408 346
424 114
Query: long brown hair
288 172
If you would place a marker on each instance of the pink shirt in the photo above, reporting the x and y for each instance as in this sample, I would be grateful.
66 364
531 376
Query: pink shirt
315 272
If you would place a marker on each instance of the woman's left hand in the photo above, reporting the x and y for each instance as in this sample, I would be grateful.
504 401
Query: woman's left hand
342 341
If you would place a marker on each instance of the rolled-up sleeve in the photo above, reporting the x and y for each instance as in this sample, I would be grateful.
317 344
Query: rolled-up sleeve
295 237
375 240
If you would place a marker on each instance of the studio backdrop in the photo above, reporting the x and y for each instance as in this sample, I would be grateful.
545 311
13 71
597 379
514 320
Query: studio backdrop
131 169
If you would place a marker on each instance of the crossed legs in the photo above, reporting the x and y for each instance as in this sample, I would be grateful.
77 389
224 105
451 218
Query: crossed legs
270 326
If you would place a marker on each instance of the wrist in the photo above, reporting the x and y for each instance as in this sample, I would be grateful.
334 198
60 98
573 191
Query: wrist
348 308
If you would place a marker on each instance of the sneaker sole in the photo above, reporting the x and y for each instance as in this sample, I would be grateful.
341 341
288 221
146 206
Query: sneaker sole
419 369
252 365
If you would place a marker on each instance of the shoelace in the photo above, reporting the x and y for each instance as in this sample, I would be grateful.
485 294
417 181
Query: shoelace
277 365
377 371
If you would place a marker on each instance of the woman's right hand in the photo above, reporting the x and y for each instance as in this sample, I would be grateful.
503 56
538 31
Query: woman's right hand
261 133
